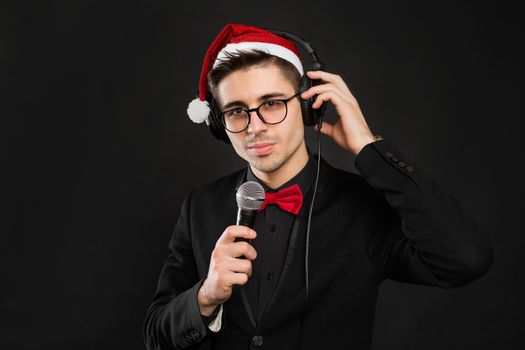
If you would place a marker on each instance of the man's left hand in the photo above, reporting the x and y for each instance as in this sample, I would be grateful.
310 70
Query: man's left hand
351 131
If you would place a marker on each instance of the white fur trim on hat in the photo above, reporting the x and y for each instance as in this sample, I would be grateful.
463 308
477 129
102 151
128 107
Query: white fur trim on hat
272 49
198 111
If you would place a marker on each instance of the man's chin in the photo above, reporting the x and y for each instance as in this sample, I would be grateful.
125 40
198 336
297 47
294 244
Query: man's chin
265 164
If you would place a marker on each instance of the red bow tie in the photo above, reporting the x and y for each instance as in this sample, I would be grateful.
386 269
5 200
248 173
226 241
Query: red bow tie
289 199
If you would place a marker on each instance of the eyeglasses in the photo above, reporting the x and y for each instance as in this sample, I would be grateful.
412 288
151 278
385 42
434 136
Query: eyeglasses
270 112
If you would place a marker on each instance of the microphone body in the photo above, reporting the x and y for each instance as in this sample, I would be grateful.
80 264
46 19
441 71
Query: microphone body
246 217
250 197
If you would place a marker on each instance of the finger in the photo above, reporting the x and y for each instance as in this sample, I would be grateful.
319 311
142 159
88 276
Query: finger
238 265
236 231
245 250
331 96
326 128
330 78
239 249
226 279
237 278
319 89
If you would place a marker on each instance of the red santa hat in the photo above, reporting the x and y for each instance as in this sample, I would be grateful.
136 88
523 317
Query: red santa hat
232 39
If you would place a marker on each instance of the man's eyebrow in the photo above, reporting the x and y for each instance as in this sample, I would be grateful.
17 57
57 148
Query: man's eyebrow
262 98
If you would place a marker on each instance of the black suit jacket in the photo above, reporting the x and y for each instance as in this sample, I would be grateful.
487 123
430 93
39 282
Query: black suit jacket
393 222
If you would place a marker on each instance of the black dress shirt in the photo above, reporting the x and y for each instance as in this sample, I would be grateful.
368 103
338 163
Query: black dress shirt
274 227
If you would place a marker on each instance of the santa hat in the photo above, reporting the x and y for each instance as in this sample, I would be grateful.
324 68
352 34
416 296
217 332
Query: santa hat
232 39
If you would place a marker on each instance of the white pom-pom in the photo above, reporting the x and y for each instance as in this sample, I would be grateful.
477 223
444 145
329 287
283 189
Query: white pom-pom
198 110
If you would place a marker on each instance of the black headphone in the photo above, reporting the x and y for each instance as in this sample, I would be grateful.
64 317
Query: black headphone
311 116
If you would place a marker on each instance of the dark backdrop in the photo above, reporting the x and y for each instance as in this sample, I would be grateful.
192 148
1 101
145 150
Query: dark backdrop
97 152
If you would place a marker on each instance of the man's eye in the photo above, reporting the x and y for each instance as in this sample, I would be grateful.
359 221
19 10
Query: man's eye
234 112
273 105
237 111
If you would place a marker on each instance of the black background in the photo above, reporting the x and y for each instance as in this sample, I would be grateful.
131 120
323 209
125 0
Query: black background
97 152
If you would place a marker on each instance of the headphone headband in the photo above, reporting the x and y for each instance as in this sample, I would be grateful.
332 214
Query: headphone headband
304 44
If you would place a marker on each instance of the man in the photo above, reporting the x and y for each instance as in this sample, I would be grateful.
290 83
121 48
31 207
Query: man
291 285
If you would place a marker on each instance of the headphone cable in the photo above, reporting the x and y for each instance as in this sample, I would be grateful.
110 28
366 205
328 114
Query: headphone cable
307 247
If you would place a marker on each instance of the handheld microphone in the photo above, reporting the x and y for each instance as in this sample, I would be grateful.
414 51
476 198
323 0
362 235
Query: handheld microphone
250 197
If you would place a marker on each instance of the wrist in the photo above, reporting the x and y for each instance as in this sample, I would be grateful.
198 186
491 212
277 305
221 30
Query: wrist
206 307
365 140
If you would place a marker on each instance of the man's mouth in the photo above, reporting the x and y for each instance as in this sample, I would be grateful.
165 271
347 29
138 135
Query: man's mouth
261 148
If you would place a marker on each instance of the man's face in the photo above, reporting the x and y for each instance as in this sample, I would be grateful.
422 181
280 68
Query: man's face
266 147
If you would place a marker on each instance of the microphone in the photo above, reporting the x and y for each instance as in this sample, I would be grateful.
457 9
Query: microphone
250 197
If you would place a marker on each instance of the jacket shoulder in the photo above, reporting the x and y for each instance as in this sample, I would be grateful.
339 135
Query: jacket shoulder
219 188
342 181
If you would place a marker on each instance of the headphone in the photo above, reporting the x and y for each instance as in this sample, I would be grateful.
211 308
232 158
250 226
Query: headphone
311 116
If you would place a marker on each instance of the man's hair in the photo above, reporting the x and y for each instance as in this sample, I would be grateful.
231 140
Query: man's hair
248 59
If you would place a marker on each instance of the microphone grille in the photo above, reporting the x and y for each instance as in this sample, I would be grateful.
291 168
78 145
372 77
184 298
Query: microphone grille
250 195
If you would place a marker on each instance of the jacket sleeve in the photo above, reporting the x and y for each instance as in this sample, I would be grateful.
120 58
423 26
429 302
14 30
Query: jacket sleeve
173 321
419 234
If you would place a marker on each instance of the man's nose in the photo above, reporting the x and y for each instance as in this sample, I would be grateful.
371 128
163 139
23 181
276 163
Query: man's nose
256 124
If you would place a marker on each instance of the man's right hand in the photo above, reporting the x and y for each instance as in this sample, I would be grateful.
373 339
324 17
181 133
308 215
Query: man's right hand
226 269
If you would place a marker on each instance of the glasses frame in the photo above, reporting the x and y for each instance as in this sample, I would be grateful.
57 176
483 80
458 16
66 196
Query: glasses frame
249 111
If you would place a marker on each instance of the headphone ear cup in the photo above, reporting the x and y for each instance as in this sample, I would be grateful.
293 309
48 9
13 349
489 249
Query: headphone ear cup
214 123
317 114
311 116
306 105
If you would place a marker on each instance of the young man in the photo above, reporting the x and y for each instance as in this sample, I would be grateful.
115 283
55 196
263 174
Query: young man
284 289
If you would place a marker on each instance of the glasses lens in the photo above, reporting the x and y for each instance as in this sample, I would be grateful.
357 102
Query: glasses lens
235 120
273 112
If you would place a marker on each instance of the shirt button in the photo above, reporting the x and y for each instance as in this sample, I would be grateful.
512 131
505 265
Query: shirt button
257 340
402 164
269 276
272 228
